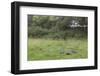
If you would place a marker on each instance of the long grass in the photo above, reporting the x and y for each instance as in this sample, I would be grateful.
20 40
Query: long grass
48 49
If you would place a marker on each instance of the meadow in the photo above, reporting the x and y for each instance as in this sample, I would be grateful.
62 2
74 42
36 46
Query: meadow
50 49
57 37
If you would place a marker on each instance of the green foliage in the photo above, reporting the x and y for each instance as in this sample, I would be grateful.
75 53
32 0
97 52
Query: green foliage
56 27
48 35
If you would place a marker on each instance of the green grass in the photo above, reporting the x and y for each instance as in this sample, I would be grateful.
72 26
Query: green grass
48 49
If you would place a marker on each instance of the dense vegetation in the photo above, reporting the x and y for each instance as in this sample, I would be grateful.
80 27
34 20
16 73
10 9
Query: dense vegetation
57 37
57 27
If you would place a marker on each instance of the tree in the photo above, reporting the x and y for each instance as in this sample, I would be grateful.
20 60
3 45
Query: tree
55 27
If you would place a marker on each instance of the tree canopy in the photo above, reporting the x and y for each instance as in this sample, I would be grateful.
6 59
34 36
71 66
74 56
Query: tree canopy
57 27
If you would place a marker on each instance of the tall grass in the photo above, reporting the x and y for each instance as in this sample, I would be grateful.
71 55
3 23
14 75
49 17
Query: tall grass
48 49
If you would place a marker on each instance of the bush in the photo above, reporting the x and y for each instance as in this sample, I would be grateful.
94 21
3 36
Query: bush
55 27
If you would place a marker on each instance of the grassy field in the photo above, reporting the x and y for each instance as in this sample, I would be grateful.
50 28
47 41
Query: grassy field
47 49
